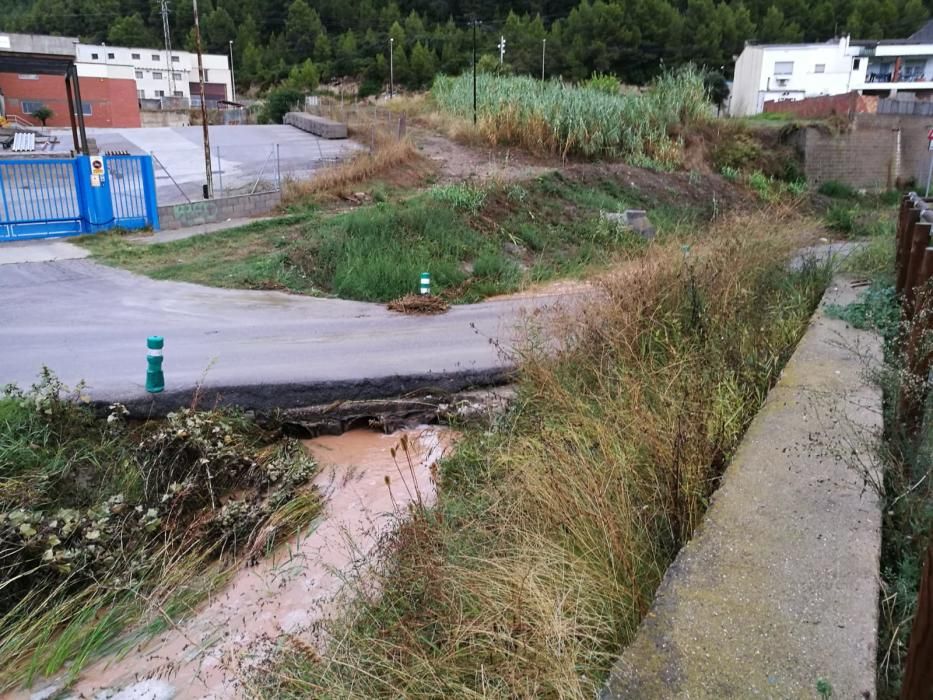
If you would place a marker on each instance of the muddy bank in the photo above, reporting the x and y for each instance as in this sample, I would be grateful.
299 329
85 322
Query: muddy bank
292 590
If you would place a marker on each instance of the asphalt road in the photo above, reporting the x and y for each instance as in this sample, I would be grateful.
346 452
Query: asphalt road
260 349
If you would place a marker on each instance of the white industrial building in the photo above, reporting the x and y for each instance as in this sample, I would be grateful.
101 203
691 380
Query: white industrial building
160 76
889 68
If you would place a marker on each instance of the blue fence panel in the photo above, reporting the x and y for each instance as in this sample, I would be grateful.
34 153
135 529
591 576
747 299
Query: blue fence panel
127 190
38 198
60 197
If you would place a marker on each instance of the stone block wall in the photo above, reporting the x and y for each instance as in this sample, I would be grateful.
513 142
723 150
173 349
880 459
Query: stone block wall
208 211
877 152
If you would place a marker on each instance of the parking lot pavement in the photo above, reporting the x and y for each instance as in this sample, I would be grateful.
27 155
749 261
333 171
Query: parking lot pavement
240 155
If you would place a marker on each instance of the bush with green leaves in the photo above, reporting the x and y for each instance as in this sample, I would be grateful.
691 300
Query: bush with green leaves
280 101
603 82
837 190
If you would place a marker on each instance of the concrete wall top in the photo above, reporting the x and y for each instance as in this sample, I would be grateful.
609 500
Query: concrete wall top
38 43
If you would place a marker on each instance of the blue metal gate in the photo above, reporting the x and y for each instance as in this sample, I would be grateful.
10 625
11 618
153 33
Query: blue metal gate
44 198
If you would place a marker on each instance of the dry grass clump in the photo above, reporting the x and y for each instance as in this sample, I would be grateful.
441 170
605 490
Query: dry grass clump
423 304
552 532
389 157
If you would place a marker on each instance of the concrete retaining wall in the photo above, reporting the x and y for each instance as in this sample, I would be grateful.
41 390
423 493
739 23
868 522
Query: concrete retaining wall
319 126
208 211
150 118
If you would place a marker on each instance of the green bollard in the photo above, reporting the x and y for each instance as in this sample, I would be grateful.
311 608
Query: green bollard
155 378
425 283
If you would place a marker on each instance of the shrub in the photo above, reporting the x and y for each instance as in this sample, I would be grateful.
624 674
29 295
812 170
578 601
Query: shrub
730 173
841 218
461 197
603 82
740 152
279 101
837 190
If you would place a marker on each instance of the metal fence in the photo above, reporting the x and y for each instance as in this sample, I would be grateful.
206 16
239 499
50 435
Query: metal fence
42 198
369 125
914 108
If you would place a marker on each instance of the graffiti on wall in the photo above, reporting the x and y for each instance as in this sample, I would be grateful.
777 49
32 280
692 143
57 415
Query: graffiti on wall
194 213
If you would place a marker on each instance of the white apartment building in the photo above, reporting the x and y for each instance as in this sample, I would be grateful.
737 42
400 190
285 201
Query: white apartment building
795 71
159 76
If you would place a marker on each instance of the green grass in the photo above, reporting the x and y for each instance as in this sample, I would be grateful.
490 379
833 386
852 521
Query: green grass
553 528
110 530
560 119
475 241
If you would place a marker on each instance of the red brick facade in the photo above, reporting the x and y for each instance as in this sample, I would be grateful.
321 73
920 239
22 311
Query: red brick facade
825 106
110 102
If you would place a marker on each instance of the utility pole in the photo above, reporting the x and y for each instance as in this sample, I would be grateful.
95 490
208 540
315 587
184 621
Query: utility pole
232 74
209 187
474 70
543 50
501 49
167 32
391 67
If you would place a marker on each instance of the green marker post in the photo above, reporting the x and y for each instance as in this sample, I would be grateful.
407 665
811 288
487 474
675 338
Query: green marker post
425 286
155 378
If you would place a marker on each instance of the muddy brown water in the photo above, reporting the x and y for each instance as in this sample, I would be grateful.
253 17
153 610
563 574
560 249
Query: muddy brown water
291 592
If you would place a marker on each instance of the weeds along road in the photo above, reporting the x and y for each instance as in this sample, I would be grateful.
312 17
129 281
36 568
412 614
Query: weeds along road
256 349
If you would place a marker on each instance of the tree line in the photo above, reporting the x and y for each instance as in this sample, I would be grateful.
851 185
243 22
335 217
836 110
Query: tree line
302 42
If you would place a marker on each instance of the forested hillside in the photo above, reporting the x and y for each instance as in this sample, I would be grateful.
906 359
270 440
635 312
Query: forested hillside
632 38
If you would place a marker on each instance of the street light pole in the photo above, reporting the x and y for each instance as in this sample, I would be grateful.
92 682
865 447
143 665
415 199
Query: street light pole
391 67
209 187
232 74
543 50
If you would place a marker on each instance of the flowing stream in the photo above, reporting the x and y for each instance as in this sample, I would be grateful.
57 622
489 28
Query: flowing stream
289 592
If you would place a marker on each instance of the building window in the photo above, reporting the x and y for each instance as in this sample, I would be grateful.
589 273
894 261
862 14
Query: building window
28 76
111 56
86 108
176 75
134 56
30 106
139 75
141 94
155 57
94 56
157 75
856 63
175 59
783 67
819 68
160 93
179 93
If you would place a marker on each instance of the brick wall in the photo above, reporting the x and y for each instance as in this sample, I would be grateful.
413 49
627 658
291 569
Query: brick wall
877 152
208 211
112 101
825 106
